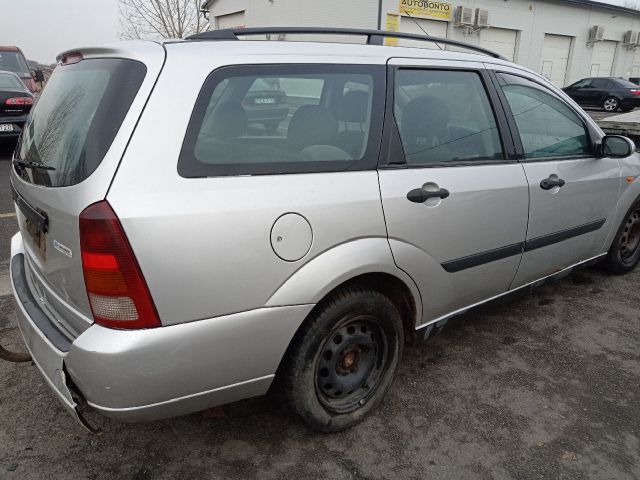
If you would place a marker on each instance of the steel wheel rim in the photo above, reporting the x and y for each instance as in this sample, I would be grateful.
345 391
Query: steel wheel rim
351 364
610 104
630 239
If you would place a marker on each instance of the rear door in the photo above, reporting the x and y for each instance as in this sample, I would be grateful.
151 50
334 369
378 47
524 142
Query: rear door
572 193
65 160
455 199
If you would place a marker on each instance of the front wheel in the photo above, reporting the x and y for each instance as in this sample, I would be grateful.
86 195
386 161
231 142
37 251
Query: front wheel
610 104
342 362
624 253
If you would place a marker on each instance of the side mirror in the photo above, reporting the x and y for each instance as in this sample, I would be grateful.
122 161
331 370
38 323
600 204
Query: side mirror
38 75
616 146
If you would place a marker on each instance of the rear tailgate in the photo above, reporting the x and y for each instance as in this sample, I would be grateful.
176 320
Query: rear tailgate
70 149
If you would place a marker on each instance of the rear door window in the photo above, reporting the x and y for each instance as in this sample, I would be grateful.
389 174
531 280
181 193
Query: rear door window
285 119
445 117
76 119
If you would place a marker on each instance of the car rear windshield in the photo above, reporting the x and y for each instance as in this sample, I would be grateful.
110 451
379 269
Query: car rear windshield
76 119
10 82
273 119
14 62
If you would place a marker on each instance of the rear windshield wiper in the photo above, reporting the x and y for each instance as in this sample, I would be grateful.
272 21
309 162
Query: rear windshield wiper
25 163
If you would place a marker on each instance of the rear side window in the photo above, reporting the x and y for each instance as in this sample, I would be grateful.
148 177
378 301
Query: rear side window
76 119
271 119
444 117
548 127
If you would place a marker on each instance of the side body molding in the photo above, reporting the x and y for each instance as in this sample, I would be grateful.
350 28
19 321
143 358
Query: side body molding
326 271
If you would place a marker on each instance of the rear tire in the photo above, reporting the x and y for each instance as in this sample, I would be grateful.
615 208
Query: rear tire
341 363
610 104
626 109
624 253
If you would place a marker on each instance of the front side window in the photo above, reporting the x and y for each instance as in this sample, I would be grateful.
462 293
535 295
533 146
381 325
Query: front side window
444 117
284 119
548 127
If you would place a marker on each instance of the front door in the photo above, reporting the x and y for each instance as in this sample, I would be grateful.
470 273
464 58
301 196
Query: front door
573 194
455 205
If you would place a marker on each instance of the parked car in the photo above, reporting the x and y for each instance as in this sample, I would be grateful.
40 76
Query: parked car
265 104
164 266
12 59
605 92
15 103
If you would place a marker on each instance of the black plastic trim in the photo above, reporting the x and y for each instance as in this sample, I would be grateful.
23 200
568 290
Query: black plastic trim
374 37
489 256
484 257
39 219
35 313
562 235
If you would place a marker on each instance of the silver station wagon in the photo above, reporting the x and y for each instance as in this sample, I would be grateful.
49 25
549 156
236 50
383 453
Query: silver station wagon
175 253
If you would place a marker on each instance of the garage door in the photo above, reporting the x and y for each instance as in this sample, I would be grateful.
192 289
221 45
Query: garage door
635 67
602 58
231 20
555 58
500 40
435 28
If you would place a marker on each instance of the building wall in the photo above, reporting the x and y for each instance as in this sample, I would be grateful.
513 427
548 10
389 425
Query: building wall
530 19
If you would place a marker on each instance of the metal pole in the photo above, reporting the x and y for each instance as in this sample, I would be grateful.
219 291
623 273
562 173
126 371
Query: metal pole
379 14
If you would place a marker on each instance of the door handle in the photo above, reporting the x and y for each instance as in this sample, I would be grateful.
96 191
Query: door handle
552 181
420 195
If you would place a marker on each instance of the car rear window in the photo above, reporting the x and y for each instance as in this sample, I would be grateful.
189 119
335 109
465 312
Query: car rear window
14 62
11 82
285 119
76 119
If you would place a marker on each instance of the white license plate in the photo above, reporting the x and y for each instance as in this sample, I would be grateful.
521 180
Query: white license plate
6 128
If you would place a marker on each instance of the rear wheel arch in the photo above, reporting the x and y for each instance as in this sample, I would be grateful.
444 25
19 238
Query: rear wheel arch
388 285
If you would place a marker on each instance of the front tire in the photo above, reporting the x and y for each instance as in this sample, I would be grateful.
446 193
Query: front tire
342 362
624 253
610 104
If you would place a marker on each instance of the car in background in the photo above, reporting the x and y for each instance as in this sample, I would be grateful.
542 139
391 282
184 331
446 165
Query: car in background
15 104
608 93
12 59
266 104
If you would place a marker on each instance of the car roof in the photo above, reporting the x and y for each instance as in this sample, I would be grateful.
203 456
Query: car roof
9 48
337 52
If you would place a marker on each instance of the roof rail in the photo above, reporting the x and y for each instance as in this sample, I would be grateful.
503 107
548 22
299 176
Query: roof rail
374 37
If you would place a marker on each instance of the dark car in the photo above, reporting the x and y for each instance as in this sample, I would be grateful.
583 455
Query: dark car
15 103
606 92
266 104
12 60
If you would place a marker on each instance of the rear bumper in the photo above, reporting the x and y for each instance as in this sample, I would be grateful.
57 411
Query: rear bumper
17 124
144 375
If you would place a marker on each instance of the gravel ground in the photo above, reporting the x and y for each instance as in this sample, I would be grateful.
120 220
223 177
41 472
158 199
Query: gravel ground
545 385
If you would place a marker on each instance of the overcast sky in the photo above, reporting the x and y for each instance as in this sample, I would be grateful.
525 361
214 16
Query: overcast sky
44 28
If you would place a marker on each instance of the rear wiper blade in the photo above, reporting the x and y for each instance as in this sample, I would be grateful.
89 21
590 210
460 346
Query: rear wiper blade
25 163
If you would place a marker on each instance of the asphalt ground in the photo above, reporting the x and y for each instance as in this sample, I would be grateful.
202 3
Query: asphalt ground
542 386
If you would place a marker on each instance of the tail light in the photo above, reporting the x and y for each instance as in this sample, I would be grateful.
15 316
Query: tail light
635 92
118 294
19 101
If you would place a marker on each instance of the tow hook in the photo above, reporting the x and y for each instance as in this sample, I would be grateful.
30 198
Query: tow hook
15 357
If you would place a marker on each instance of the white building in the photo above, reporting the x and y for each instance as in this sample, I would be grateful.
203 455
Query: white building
564 40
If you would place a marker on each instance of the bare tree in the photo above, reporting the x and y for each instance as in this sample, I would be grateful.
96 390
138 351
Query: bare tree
161 18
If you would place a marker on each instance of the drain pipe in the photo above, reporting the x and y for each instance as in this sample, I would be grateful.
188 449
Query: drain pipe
14 357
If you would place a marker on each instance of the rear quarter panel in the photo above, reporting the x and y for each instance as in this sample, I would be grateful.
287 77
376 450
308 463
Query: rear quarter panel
204 244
